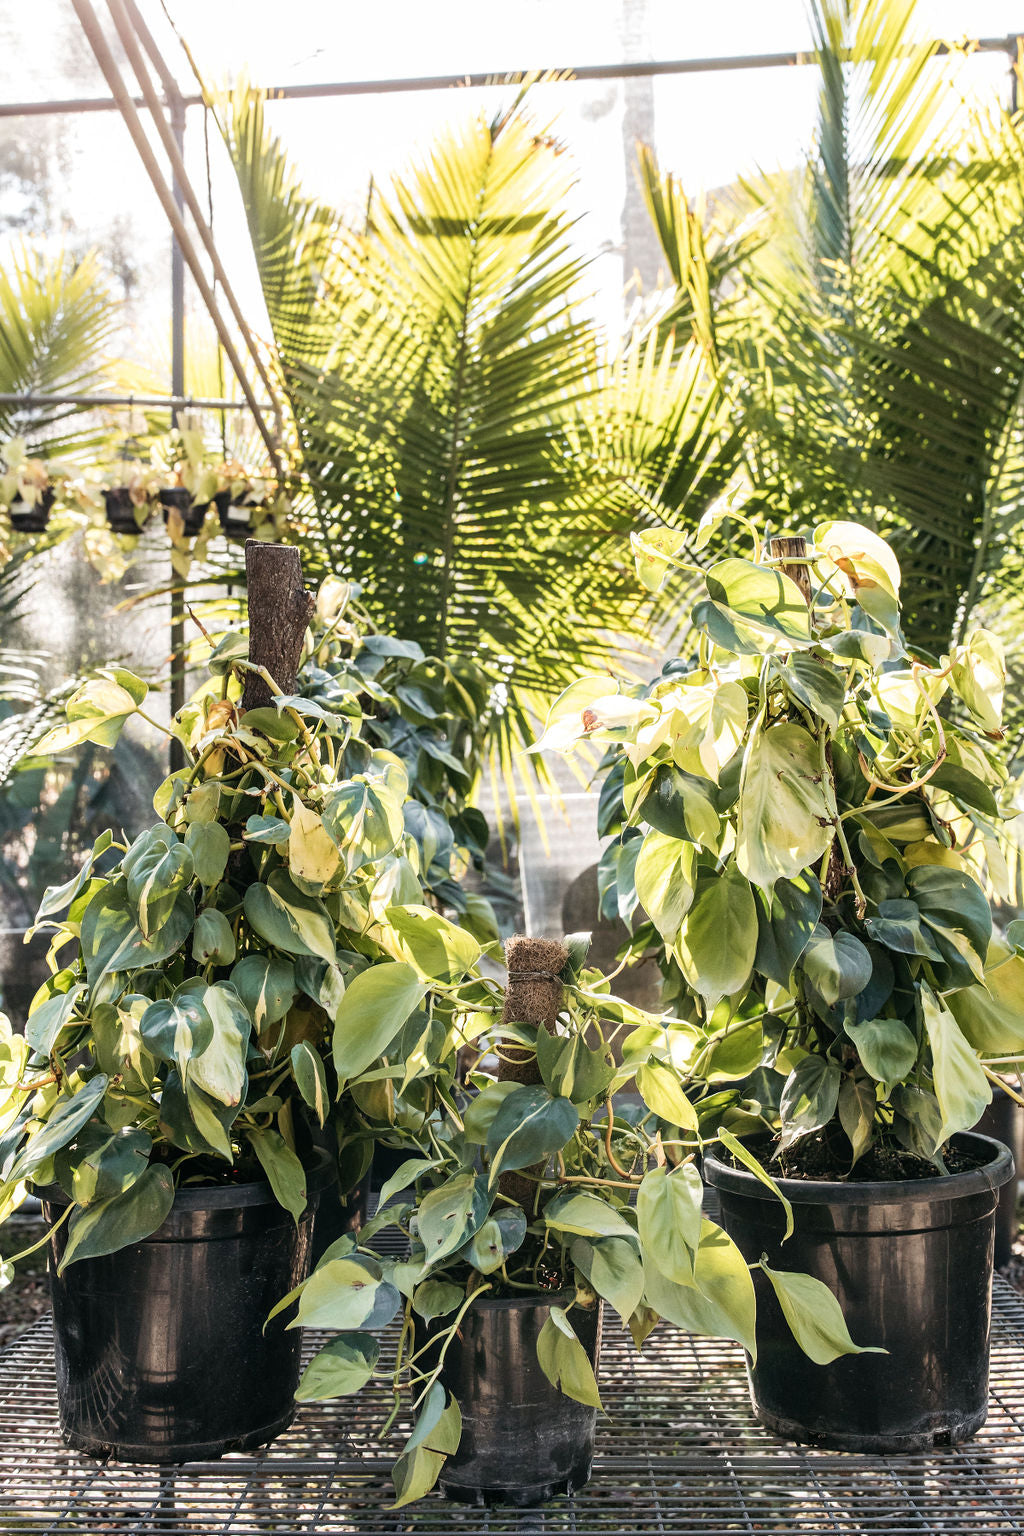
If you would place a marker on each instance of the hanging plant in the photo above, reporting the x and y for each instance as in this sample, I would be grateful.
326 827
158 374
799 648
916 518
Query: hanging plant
27 489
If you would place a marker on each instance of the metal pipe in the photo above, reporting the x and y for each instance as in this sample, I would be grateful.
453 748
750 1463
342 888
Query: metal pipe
173 140
622 71
176 133
32 400
106 61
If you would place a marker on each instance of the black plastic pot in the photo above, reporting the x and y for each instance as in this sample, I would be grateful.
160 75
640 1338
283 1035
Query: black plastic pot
1004 1121
121 510
911 1265
523 1441
338 1214
161 1351
193 514
235 520
28 518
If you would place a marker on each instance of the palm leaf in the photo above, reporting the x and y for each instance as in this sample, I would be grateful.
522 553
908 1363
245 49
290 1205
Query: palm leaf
474 456
56 319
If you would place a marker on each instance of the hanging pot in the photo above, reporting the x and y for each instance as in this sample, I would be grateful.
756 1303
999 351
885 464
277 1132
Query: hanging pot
161 1350
32 517
235 519
121 510
523 1441
910 1263
193 514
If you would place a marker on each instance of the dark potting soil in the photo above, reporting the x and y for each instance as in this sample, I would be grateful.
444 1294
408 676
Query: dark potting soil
821 1156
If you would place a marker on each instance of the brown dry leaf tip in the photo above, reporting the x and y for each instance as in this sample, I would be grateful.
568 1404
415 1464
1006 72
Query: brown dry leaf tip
222 713
198 623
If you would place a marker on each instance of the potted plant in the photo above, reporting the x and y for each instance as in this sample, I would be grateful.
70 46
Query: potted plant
191 483
176 1067
818 809
130 497
565 1182
240 496
26 489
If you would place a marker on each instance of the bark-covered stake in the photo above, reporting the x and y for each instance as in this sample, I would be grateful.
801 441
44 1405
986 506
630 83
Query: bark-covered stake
280 608
793 550
533 996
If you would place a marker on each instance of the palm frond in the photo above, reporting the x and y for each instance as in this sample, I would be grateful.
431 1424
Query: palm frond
56 319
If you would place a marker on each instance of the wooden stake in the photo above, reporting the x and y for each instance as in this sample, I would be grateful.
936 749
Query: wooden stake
796 550
280 608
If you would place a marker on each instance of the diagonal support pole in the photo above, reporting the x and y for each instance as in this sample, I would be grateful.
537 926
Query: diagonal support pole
105 58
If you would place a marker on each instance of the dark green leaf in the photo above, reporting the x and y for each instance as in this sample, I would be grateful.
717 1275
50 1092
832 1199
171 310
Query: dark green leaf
341 1368
266 985
111 1167
786 919
886 1047
837 965
283 1169
289 919
810 1096
820 687
528 1127
213 942
209 844
178 1028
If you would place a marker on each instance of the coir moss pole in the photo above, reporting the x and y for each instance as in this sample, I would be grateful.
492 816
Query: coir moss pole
533 996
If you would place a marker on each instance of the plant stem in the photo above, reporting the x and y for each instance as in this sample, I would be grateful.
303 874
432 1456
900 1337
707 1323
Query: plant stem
17 1257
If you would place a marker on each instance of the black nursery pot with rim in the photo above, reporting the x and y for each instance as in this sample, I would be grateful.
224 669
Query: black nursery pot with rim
1004 1121
193 514
121 510
910 1262
29 517
235 517
523 1441
161 1352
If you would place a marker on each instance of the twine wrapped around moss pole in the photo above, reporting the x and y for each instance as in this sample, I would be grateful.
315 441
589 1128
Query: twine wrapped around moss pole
533 996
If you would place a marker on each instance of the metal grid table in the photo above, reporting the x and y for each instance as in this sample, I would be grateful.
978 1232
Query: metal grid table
680 1453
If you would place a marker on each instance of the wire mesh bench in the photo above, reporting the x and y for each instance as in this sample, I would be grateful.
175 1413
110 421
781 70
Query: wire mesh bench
679 1453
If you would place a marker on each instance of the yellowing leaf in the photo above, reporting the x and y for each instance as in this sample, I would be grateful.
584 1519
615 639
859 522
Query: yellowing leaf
979 677
786 806
312 853
863 557
815 1317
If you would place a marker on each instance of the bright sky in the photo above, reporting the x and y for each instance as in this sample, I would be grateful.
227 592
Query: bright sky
708 128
